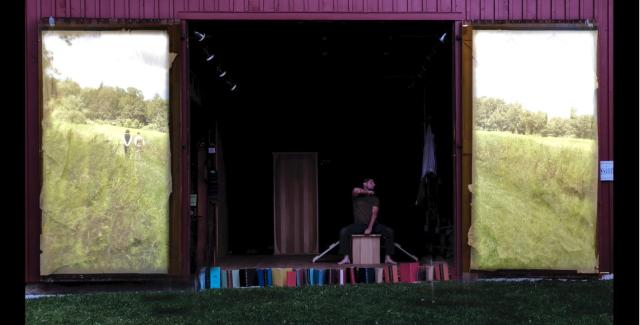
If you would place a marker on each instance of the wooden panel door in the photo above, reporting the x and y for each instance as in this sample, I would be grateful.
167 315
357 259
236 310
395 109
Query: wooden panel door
295 203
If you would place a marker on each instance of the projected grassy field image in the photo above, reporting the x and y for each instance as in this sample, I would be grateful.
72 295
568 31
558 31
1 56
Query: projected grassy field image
535 150
106 159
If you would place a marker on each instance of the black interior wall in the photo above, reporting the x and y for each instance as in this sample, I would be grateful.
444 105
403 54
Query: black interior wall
347 90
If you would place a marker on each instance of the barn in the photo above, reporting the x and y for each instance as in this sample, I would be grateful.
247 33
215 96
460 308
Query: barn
169 135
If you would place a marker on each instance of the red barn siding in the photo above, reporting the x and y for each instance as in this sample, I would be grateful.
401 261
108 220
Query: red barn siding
164 8
167 9
501 8
515 9
540 10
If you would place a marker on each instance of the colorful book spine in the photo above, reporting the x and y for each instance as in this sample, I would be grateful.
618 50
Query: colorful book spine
291 279
408 272
277 277
269 278
250 278
235 278
379 275
321 277
422 273
260 275
312 277
445 271
300 277
386 272
215 278
243 278
201 279
334 277
352 275
394 273
404 272
223 279
371 275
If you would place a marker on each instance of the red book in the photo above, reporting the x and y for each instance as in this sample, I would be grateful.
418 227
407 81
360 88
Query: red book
352 275
408 272
436 271
445 271
385 274
404 272
394 273
291 279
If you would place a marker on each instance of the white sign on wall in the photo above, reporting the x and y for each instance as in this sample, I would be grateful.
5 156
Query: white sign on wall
606 170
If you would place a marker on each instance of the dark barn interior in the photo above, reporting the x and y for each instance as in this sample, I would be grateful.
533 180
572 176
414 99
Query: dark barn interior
357 93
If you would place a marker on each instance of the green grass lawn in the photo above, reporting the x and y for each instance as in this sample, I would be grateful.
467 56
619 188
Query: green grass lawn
540 302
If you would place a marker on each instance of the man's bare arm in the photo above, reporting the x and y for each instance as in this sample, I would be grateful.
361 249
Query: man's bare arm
360 191
374 216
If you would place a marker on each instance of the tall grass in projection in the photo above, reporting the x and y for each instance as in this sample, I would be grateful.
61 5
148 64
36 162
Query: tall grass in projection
104 209
534 164
534 202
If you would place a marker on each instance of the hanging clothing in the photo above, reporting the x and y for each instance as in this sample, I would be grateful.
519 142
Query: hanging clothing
428 153
428 189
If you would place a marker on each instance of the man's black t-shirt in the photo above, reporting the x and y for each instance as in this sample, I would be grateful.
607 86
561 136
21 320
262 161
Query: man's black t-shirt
362 206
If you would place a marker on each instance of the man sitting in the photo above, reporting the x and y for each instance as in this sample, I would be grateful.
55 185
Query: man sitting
365 213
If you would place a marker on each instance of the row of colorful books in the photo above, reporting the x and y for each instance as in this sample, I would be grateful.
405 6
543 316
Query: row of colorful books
215 277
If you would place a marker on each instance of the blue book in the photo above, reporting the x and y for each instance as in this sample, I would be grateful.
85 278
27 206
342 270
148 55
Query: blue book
371 275
261 274
235 278
215 278
223 278
201 279
312 278
321 276
269 282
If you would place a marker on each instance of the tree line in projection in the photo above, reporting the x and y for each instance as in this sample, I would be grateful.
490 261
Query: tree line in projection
102 105
494 114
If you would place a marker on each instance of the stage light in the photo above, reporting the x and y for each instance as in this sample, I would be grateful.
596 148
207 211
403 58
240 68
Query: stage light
221 73
232 85
200 36
208 56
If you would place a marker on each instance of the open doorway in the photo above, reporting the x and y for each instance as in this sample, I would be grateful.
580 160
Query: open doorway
359 94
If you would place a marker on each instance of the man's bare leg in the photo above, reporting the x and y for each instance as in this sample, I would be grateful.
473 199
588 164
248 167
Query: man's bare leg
345 260
388 260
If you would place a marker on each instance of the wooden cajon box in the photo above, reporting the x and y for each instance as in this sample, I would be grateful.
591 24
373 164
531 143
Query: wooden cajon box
365 249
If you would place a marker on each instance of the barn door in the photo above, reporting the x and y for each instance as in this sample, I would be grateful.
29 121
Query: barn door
107 143
530 150
295 202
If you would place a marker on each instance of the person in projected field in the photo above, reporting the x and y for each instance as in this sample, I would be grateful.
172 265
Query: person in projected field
127 142
365 213
138 141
